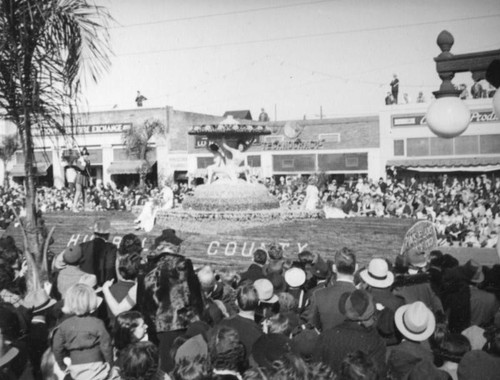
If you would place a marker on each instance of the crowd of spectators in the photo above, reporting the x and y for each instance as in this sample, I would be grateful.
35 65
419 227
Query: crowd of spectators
126 312
465 212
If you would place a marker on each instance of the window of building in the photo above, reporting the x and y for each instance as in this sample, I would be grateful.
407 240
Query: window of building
489 144
254 161
417 147
294 163
204 162
399 147
466 145
441 147
351 162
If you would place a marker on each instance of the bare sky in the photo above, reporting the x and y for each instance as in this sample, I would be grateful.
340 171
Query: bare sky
210 56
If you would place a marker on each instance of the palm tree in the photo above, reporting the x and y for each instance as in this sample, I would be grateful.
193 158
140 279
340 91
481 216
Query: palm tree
136 140
47 50
8 148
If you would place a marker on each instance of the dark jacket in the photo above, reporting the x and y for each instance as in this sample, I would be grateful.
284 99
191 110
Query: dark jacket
413 360
84 339
335 343
418 288
323 311
99 257
254 272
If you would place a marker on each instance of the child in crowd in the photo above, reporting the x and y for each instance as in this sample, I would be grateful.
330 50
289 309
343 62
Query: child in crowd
82 337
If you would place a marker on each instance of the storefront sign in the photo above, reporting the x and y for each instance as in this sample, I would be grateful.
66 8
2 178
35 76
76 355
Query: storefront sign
421 237
293 145
87 129
483 116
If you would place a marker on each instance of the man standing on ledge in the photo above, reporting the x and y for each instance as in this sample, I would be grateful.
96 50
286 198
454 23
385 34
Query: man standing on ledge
395 88
139 99
263 115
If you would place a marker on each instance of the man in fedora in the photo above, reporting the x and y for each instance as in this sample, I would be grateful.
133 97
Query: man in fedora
356 333
379 279
98 254
323 311
413 357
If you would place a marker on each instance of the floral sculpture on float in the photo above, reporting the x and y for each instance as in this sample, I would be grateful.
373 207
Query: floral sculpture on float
229 188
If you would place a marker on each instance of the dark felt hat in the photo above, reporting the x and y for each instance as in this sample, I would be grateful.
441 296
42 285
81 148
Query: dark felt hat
269 348
167 236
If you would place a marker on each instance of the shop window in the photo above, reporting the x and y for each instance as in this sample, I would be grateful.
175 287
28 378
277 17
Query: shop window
204 162
466 145
254 161
441 147
351 162
417 147
294 163
489 144
399 147
342 162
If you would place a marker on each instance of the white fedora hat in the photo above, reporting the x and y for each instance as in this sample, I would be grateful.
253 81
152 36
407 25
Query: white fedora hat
378 274
415 321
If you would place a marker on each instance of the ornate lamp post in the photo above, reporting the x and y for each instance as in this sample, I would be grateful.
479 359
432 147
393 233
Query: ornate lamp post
448 116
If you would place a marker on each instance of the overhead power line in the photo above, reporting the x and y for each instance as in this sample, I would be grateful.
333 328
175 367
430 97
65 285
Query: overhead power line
228 13
304 36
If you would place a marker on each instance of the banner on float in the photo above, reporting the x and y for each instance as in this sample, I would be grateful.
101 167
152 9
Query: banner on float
203 245
421 237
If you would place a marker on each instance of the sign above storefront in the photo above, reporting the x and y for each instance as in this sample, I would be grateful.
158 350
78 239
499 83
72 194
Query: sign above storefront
293 145
87 129
482 116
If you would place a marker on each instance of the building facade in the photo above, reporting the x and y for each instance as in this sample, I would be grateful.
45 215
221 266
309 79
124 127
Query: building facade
408 145
339 147
101 133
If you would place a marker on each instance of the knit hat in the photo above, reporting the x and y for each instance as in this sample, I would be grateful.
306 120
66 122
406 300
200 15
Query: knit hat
265 290
357 306
415 321
73 255
377 274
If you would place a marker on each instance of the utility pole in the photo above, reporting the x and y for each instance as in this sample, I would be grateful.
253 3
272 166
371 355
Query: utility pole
321 112
275 112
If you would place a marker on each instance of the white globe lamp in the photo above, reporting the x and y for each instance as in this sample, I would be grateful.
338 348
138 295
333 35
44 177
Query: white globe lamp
448 117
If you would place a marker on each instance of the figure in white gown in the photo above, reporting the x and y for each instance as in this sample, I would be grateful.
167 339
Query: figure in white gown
165 201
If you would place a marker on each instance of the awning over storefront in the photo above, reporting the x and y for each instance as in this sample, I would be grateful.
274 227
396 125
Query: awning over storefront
41 169
466 164
128 167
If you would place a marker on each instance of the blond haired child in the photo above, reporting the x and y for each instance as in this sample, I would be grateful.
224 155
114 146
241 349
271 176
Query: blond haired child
82 337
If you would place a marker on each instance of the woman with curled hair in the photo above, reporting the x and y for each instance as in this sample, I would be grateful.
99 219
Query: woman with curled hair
227 353
196 368
140 361
129 328
130 244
